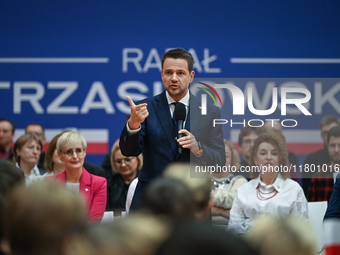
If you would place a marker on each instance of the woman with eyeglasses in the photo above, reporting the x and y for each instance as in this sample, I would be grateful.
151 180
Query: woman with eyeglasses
71 149
27 150
124 171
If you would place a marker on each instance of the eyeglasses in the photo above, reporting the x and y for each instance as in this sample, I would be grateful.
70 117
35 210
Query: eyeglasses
119 162
79 151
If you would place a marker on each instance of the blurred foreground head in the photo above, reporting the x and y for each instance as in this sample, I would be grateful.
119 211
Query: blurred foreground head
10 177
290 235
202 239
170 198
43 218
137 234
199 187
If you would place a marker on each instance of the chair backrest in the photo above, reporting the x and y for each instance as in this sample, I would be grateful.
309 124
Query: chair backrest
108 217
316 212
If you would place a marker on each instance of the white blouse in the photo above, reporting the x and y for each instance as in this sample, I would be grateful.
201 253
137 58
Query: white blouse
255 198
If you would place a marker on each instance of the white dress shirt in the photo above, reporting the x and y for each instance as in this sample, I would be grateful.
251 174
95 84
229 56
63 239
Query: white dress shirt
255 198
34 172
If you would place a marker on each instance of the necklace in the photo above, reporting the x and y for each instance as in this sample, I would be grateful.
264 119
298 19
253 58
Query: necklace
265 196
220 184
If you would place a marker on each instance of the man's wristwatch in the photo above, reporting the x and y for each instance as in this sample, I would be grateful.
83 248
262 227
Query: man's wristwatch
199 152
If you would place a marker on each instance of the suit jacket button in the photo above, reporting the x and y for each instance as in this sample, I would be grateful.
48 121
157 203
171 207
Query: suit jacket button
124 138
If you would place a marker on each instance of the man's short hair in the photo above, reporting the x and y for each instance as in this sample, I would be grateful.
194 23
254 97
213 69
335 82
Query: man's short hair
247 130
35 124
179 53
328 120
334 131
11 122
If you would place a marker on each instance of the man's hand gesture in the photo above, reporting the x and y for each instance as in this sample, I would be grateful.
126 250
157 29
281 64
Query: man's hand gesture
138 114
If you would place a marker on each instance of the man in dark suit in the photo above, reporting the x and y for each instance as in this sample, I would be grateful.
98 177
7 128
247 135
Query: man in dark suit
150 127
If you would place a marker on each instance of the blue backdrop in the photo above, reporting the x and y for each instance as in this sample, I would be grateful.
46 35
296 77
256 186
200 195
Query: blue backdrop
71 63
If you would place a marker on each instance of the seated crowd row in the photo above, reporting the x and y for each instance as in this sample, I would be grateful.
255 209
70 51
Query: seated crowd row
235 200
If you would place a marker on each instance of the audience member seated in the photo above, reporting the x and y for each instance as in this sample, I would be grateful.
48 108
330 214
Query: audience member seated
288 235
277 126
27 149
225 185
106 163
272 191
53 164
322 184
169 198
320 157
331 221
10 177
246 141
201 239
200 188
39 130
124 170
43 218
71 148
7 129
91 168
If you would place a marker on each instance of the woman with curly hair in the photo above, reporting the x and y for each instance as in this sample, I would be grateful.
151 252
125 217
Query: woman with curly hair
272 191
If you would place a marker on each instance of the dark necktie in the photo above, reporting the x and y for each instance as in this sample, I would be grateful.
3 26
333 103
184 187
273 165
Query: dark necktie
174 122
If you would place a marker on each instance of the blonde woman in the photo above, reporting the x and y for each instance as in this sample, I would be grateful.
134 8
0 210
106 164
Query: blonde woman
124 171
71 149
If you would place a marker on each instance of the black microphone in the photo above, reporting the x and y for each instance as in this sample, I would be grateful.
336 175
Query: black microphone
180 115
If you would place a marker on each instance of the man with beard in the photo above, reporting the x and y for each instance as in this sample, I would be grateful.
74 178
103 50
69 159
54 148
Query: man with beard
322 184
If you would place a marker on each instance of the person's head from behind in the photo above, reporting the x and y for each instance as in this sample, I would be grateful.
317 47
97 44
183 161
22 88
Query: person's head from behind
52 161
10 177
43 217
177 72
246 140
170 198
333 145
290 235
27 150
71 149
326 124
7 129
200 187
269 151
138 234
38 129
127 167
202 239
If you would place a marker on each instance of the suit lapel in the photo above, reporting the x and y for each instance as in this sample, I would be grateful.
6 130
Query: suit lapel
164 117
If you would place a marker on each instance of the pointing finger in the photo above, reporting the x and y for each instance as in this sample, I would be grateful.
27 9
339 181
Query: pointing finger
132 104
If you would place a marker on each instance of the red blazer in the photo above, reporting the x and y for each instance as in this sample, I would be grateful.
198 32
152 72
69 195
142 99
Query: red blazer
94 190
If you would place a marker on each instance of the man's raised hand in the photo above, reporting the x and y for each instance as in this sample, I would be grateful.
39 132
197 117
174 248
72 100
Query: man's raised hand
138 114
